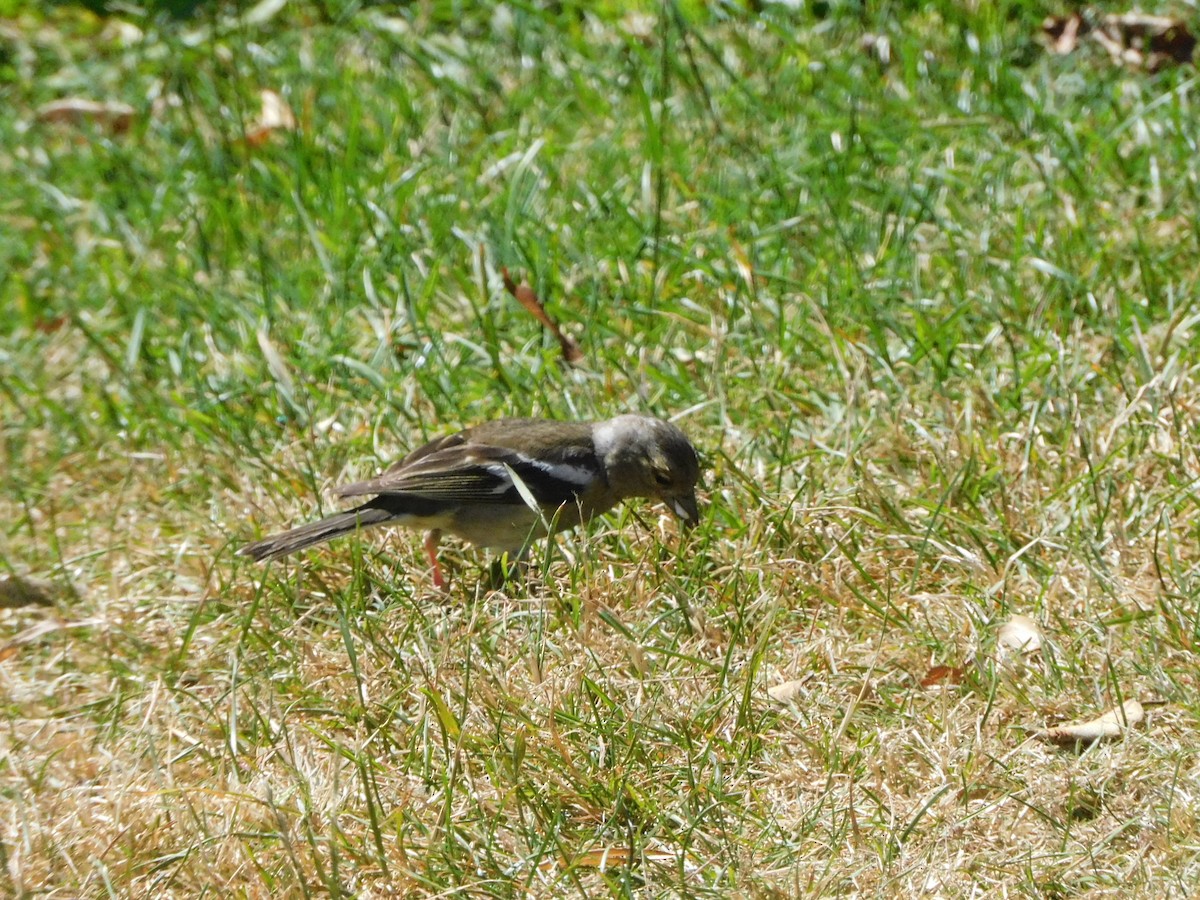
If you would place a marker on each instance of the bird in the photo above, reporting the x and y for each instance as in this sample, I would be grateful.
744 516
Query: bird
481 484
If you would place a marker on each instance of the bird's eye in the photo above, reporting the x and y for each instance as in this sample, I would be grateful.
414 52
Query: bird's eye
662 479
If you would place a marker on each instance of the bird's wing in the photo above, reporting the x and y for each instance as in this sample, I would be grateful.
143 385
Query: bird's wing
461 472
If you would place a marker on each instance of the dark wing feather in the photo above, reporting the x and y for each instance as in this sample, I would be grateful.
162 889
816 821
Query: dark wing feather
449 475
445 442
471 473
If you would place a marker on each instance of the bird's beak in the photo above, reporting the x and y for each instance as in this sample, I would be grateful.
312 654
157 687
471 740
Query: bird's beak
686 508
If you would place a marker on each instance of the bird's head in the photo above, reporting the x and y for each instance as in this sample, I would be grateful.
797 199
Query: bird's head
648 457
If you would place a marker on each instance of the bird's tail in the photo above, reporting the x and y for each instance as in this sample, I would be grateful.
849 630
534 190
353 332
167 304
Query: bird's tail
316 532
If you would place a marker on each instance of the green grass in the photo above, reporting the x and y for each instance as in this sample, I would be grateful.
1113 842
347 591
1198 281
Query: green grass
931 320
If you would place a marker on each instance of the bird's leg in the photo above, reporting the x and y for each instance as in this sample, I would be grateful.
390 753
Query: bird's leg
431 545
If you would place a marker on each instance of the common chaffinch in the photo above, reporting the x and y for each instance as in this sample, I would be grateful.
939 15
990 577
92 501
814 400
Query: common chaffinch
475 484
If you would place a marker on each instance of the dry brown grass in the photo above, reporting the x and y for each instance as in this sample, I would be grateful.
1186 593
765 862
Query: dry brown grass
182 721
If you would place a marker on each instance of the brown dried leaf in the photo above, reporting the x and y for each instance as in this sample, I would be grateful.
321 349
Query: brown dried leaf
525 295
949 675
785 691
1132 39
111 115
276 115
50 324
1110 725
1019 635
1063 32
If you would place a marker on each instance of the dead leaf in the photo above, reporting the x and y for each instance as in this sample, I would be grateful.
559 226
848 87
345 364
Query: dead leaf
50 324
1062 32
276 115
980 792
1132 39
1110 725
1148 42
1019 635
528 299
785 691
17 592
949 675
111 115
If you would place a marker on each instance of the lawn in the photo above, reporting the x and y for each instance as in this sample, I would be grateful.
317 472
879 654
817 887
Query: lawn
922 291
